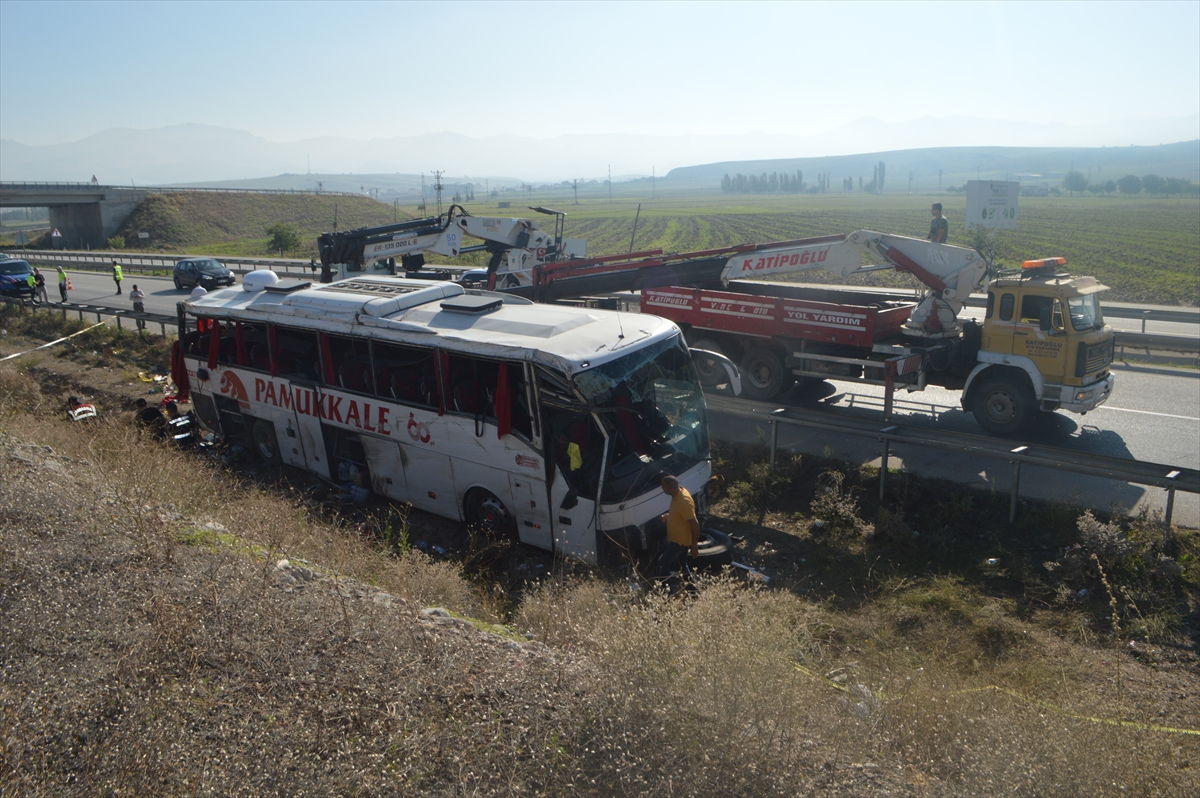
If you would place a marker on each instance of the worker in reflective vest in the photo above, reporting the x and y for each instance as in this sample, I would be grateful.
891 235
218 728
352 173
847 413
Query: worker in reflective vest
117 275
62 283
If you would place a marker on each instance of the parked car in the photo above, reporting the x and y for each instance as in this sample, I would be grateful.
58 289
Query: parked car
474 278
14 278
204 272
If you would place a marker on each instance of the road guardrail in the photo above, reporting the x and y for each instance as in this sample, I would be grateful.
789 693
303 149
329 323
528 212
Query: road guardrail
1137 472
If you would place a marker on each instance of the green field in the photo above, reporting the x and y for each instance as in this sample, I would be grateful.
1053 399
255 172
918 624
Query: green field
1147 250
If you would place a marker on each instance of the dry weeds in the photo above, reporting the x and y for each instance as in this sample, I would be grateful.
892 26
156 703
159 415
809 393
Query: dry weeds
153 643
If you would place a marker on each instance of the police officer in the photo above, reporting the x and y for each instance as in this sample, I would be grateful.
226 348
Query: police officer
117 276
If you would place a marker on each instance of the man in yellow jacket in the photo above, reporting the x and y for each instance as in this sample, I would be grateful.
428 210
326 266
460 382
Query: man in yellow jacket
117 275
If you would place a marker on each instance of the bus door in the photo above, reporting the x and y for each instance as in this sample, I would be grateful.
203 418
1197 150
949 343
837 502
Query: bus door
577 445
385 461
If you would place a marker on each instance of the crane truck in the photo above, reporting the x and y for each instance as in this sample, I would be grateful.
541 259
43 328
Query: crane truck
1043 344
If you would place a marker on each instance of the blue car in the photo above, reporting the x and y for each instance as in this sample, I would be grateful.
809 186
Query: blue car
14 278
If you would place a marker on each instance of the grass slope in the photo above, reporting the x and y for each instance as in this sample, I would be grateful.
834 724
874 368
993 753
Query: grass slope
236 224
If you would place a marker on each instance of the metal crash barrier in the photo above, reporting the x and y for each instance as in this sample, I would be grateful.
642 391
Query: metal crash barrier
1170 478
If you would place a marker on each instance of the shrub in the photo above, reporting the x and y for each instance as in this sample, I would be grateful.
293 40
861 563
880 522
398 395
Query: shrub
116 242
835 505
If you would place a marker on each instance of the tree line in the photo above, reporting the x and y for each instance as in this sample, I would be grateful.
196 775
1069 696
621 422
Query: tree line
786 183
1130 185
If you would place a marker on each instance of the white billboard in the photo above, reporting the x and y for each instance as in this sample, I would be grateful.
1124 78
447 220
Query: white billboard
992 203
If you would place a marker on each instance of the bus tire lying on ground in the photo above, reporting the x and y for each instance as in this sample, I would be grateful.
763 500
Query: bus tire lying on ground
710 372
716 550
484 511
763 374
266 445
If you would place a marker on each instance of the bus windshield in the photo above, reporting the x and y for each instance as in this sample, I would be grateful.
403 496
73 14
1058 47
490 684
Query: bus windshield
652 404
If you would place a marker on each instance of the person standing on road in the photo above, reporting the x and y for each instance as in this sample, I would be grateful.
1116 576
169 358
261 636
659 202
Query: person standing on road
138 297
32 282
683 528
62 283
117 276
39 287
939 228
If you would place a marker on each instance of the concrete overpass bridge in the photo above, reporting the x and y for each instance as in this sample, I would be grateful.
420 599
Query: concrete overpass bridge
86 214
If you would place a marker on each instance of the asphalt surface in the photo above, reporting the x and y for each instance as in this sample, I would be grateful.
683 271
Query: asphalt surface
1153 415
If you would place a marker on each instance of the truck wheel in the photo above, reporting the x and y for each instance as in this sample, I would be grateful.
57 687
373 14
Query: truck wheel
763 375
710 372
484 511
266 446
1003 406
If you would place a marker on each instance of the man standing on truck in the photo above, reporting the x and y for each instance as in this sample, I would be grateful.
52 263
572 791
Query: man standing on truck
939 228
683 528
117 276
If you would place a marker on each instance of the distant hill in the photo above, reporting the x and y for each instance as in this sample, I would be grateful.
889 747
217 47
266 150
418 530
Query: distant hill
1029 164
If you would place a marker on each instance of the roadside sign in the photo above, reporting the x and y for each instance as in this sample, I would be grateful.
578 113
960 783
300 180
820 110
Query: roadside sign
992 203
143 235
56 234
21 238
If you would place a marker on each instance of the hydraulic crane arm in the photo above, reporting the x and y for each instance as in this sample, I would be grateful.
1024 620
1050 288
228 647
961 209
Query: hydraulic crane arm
951 273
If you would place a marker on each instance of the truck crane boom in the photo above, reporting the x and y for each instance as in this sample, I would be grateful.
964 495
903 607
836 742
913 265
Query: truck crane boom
950 273
516 244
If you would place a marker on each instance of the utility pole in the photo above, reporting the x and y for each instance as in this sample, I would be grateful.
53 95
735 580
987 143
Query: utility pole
423 194
437 187
910 184
575 187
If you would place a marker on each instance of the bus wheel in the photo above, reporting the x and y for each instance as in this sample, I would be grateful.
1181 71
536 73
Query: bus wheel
1003 406
486 512
716 550
266 446
763 375
710 372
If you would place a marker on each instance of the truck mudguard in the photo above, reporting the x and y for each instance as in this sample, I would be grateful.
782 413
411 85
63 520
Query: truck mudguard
987 359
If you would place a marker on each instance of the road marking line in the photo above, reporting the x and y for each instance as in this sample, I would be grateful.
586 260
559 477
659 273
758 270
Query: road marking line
1148 413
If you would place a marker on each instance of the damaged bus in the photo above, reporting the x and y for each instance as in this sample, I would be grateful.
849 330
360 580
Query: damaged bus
552 424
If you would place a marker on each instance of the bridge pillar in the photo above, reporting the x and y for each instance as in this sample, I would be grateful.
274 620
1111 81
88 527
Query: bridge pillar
92 224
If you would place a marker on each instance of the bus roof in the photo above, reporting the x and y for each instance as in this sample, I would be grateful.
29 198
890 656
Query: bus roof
412 312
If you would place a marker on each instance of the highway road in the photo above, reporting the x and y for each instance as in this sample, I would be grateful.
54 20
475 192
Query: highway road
1153 415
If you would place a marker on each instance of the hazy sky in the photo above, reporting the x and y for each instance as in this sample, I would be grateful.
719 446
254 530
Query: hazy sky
290 71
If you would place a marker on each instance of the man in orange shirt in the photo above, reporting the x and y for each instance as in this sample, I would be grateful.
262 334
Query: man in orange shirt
683 528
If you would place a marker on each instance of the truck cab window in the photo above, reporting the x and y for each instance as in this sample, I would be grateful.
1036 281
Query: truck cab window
1007 303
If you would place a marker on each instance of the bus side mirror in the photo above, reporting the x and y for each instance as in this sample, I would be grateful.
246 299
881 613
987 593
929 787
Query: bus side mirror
735 377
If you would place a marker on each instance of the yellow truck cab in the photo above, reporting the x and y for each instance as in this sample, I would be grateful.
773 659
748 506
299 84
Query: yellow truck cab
1045 346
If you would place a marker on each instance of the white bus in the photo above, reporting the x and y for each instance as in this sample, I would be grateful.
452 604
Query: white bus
550 423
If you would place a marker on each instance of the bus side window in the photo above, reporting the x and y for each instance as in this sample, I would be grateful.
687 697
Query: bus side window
471 386
1007 303
405 374
991 305
519 396
351 361
299 356
257 346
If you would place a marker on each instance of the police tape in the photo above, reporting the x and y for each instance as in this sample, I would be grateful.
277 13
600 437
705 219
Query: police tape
52 343
1130 724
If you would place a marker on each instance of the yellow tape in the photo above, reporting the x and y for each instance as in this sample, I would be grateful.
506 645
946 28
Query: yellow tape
1036 702
52 343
